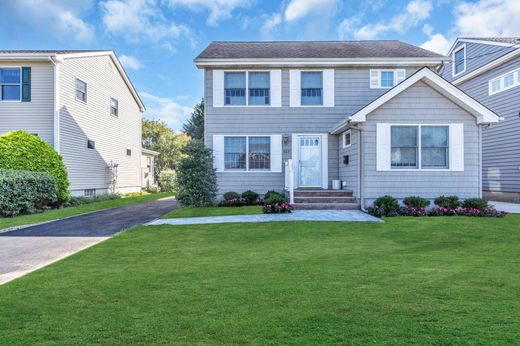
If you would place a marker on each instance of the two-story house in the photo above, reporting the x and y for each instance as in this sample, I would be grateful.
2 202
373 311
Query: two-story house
488 69
372 114
84 105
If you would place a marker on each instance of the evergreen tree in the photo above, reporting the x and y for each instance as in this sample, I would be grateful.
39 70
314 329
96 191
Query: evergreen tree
194 126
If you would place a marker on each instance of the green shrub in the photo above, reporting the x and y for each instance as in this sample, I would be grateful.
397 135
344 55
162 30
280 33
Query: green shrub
416 202
272 193
475 203
196 179
274 199
167 180
153 189
231 195
20 150
250 196
387 205
23 192
450 202
79 200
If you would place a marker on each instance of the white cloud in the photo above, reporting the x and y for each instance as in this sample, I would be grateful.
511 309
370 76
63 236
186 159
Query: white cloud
488 18
56 17
415 12
437 43
218 9
298 9
271 23
130 62
141 20
165 109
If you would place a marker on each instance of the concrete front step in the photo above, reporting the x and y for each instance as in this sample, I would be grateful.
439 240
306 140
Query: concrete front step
322 193
326 206
325 199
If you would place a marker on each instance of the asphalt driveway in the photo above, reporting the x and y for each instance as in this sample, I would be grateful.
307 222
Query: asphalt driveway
27 249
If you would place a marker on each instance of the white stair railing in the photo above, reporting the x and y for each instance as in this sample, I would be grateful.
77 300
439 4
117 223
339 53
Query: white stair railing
289 179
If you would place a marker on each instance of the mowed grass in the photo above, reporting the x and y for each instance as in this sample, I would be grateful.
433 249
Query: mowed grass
408 281
212 211
55 214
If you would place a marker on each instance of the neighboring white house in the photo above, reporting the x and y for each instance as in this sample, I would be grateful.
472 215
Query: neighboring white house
84 105
148 168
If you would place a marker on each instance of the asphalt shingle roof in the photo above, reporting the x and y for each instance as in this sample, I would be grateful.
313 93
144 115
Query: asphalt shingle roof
313 49
511 40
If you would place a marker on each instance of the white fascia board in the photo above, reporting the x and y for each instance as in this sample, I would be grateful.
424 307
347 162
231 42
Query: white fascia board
483 114
487 67
202 63
470 40
149 152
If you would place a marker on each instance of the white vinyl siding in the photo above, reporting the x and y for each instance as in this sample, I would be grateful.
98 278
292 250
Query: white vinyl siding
386 78
327 87
504 82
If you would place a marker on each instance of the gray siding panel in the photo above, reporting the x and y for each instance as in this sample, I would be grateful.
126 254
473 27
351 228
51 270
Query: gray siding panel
420 104
36 116
501 142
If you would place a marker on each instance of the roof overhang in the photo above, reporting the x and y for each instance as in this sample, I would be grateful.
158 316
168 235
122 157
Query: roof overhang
59 57
482 114
475 40
149 152
318 62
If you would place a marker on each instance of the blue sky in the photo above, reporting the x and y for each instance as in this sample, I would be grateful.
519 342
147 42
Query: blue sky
157 40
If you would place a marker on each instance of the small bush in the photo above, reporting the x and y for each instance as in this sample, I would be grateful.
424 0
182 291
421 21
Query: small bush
442 211
231 195
416 202
167 180
134 194
153 189
23 192
412 211
278 208
386 206
250 196
234 202
450 202
475 203
79 200
20 150
274 199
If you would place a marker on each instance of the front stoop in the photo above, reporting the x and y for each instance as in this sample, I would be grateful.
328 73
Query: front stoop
324 200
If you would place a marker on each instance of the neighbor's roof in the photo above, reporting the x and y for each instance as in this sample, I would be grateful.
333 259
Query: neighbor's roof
314 49
51 51
510 40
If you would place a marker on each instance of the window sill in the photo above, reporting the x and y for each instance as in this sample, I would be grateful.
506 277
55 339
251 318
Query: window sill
237 171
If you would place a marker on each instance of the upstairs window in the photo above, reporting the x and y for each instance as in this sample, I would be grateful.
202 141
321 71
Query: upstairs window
504 82
81 90
312 88
386 79
459 60
114 107
235 88
10 89
259 88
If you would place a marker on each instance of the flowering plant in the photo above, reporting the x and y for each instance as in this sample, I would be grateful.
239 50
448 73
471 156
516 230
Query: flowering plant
234 202
277 208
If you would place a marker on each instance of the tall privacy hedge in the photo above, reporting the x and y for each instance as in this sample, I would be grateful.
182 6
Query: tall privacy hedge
23 151
24 192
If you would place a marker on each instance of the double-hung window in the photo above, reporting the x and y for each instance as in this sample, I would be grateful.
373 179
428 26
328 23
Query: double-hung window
259 83
414 147
81 90
235 88
10 84
114 107
387 79
459 60
311 88
247 153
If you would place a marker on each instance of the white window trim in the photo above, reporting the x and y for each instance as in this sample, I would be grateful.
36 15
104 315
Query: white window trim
343 138
379 71
247 170
247 89
501 78
322 89
453 60
76 90
13 67
117 108
419 147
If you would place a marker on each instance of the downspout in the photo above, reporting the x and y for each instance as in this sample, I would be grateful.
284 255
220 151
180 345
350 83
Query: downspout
481 170
56 62
360 168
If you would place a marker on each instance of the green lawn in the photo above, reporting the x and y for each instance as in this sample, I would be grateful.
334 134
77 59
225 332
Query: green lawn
408 281
71 211
212 211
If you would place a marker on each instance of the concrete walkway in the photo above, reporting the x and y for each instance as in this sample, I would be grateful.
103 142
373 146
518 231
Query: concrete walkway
513 208
297 215
29 248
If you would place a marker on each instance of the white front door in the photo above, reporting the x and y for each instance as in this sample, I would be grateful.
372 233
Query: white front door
310 161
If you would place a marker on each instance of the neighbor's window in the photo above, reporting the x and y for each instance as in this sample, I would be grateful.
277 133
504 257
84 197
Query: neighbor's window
504 82
459 60
347 139
405 142
10 84
434 147
258 88
91 144
235 153
235 88
114 107
387 79
128 152
259 153
312 88
81 90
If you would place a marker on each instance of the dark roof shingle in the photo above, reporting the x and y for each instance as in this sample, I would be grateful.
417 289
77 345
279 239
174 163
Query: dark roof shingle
313 49
510 40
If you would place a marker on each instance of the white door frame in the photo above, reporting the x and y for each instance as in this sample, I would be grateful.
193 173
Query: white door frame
295 155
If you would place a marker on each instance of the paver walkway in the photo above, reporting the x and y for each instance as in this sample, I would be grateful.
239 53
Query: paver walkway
297 215
27 249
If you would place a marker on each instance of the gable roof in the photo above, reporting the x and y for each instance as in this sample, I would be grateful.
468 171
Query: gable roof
59 55
506 42
435 81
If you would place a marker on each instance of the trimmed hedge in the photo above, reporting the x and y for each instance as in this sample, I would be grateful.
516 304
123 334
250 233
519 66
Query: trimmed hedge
20 150
24 192
250 196
416 202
